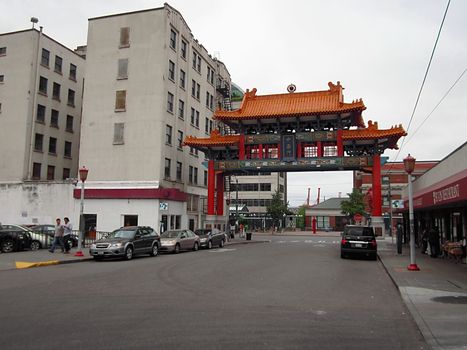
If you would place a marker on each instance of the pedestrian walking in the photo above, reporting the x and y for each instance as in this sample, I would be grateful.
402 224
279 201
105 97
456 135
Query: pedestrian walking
58 236
400 234
433 238
67 229
424 241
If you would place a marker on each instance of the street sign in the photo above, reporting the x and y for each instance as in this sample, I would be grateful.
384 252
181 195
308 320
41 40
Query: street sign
164 206
358 217
397 204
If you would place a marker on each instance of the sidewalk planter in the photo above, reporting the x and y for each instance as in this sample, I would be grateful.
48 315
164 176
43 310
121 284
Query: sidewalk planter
248 236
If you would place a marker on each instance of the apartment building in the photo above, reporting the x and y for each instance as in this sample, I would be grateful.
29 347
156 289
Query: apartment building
41 85
149 84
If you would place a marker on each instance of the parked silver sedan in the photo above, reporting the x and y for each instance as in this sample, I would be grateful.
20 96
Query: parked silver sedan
177 240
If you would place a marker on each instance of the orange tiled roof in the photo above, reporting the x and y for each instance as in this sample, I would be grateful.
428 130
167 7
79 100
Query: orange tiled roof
372 132
293 104
215 139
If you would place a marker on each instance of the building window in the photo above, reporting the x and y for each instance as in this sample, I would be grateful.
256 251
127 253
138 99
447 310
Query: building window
210 126
210 76
3 51
69 123
205 178
56 92
120 100
206 126
168 135
170 102
194 117
36 171
207 98
181 109
71 98
193 88
171 70
66 173
40 114
54 118
43 85
190 174
198 91
195 176
180 139
124 37
182 78
196 61
197 119
122 68
119 129
2 78
50 172
309 151
184 49
58 64
45 57
211 102
72 72
167 169
67 151
38 142
330 151
173 39
179 171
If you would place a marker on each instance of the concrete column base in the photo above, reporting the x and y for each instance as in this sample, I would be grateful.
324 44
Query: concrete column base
377 222
215 220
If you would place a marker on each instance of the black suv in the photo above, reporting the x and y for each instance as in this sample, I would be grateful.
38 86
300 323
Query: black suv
126 242
359 240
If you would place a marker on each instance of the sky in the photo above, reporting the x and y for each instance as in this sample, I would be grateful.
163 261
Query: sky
378 50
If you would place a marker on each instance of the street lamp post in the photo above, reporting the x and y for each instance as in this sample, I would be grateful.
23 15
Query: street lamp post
83 175
409 165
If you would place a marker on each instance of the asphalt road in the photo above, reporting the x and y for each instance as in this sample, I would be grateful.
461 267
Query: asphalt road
291 293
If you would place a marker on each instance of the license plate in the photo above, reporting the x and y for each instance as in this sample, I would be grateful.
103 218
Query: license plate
100 253
358 245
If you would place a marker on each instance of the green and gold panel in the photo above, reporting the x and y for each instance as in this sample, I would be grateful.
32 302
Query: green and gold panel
262 139
302 164
316 136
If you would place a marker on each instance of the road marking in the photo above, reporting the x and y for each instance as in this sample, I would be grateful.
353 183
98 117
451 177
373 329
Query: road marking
222 250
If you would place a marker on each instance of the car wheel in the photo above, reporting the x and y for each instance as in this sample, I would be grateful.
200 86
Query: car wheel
128 253
177 248
221 243
209 244
8 246
154 250
196 246
374 256
97 257
35 245
342 255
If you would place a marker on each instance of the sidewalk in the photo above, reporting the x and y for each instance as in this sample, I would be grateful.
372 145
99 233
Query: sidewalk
436 296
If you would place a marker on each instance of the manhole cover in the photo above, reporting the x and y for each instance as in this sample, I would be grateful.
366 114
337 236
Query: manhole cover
451 299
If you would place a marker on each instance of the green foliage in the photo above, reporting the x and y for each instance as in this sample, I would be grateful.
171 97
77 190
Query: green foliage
277 208
355 204
301 218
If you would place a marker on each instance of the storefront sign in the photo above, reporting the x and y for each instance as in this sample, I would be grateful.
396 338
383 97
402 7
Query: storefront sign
445 194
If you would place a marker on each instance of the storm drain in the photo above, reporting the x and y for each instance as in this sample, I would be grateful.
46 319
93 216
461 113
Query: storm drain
451 299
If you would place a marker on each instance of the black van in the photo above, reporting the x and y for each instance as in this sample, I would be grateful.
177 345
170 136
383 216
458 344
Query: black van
359 240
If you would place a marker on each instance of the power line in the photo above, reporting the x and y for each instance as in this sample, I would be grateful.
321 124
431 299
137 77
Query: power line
423 82
437 105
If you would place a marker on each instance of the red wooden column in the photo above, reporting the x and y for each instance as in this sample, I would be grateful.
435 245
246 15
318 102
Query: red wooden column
340 144
319 146
220 194
211 187
241 150
299 150
260 151
376 185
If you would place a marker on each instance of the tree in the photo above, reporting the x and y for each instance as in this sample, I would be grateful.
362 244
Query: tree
277 209
355 204
301 218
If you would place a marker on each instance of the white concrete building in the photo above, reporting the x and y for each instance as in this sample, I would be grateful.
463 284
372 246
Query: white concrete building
149 84
41 85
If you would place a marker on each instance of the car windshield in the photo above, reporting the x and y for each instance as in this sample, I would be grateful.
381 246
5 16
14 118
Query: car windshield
359 231
170 234
202 232
122 234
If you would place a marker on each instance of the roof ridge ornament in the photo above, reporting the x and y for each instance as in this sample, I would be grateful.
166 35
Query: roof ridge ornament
291 88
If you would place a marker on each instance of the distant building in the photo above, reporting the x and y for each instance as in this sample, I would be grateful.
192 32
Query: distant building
393 182
41 87
328 215
149 84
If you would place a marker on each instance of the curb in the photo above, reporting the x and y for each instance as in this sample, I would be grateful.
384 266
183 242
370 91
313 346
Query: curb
27 265
419 321
247 242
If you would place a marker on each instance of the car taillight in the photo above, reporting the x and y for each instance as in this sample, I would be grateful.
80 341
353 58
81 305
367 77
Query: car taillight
344 241
373 243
